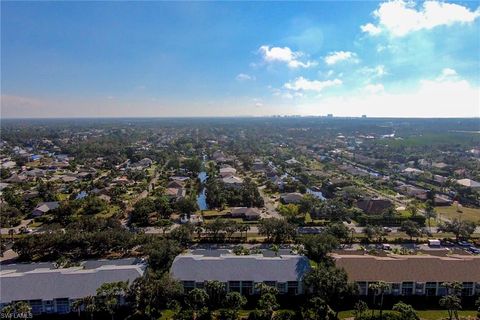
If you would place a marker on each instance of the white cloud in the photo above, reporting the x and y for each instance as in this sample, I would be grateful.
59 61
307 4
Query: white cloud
302 84
374 72
447 97
285 55
447 73
371 29
244 77
374 88
400 17
339 56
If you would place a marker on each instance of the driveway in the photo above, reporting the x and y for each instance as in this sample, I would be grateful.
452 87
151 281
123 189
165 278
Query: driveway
270 205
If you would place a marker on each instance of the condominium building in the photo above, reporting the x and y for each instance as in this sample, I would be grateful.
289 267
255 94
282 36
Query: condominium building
242 273
412 274
52 290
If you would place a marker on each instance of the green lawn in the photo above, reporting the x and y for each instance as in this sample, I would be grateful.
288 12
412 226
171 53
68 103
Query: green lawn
451 212
423 314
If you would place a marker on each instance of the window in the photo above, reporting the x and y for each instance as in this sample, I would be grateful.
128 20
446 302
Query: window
430 289
407 288
234 286
37 306
199 285
467 289
247 287
63 305
395 288
362 288
419 288
292 287
188 285
442 291
282 287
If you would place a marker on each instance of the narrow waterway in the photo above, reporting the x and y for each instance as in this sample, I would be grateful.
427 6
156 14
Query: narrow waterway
202 197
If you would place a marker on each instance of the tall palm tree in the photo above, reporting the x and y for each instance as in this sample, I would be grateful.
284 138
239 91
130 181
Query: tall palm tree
244 228
90 305
23 309
199 230
379 289
77 306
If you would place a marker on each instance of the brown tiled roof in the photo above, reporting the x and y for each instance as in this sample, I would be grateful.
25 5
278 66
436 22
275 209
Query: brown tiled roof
396 268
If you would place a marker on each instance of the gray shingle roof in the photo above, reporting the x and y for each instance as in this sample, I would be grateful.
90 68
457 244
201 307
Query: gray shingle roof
229 267
24 282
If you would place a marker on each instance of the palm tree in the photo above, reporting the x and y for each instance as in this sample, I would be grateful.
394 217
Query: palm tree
430 214
452 303
412 207
78 305
379 289
90 305
110 293
452 300
199 230
23 309
244 228
8 310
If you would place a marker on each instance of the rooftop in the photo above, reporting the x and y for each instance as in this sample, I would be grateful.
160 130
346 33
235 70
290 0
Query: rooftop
35 281
223 266
417 268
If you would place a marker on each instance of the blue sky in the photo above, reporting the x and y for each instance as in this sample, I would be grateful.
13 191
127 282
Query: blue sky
87 59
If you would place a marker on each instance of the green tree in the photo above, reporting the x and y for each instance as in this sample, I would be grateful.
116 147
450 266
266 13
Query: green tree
318 309
406 311
379 289
109 294
276 230
429 215
216 293
187 205
461 229
360 309
196 300
411 228
330 284
318 246
452 303
235 301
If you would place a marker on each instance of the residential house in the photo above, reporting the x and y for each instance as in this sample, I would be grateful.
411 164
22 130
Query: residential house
175 193
374 205
45 207
175 184
246 213
469 183
412 172
227 171
241 273
232 181
294 197
16 178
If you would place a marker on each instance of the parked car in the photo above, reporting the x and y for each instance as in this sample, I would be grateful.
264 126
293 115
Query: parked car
386 246
474 250
464 243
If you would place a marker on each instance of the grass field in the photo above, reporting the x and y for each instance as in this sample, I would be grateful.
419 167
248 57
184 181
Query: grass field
451 212
423 314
